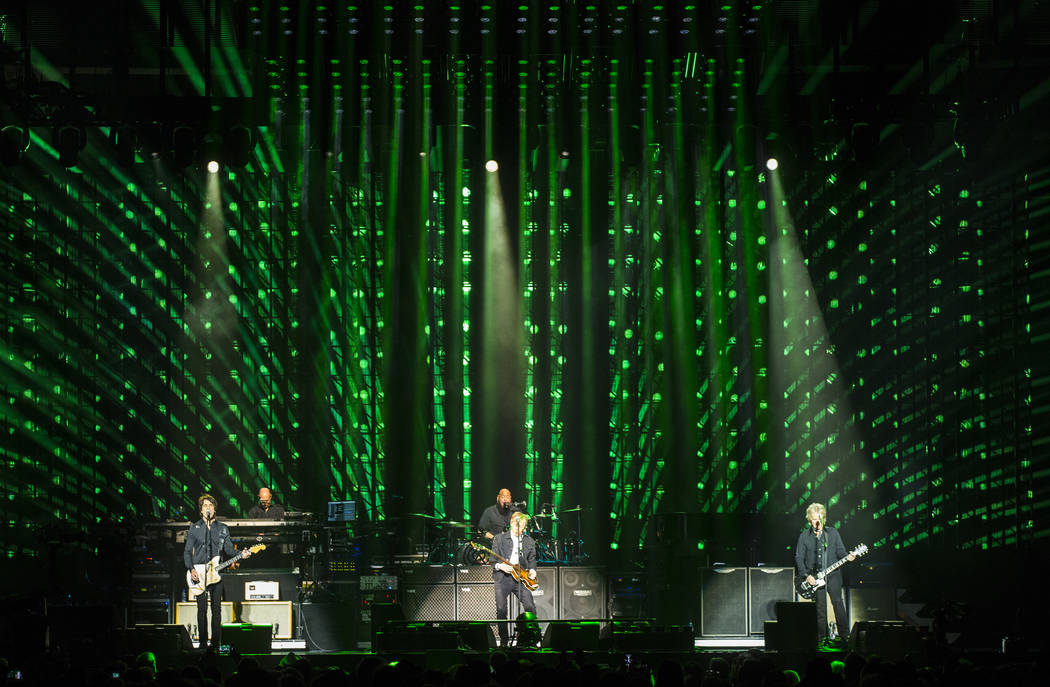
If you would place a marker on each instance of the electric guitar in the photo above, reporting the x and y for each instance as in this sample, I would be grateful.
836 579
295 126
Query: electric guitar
516 572
807 590
208 573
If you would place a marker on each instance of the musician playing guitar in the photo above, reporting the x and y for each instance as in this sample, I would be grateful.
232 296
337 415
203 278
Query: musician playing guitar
519 550
818 547
208 538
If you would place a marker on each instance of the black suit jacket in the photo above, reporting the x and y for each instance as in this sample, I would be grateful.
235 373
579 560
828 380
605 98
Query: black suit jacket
504 546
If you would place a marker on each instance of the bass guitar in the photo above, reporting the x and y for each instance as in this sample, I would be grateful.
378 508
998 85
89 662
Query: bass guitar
807 590
208 573
516 572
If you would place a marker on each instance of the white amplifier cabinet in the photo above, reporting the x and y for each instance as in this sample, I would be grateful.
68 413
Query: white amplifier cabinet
262 590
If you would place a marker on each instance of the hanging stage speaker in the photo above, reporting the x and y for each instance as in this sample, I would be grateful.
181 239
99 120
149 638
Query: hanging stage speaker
581 593
766 586
429 602
723 602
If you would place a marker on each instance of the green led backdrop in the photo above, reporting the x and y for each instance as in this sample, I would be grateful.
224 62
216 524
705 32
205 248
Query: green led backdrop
632 314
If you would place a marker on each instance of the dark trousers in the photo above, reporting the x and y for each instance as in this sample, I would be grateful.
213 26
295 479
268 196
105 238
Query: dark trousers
505 585
833 587
213 591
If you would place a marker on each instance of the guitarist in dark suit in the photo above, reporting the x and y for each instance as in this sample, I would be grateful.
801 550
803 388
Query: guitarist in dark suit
520 549
206 539
818 547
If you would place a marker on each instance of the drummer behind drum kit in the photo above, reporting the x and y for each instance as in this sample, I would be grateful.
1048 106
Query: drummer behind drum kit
452 545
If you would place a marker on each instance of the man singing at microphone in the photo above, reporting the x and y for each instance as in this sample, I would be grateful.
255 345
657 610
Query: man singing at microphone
206 539
818 547
520 549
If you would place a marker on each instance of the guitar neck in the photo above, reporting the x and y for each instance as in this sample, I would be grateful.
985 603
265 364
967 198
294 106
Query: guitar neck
835 566
488 550
226 564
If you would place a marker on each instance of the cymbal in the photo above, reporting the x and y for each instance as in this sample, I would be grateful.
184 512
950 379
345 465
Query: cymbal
553 516
453 523
577 509
422 515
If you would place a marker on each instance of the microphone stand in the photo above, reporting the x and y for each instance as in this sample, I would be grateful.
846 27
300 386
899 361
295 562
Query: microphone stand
521 583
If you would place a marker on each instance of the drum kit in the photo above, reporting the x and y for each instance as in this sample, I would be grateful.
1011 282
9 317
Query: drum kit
450 541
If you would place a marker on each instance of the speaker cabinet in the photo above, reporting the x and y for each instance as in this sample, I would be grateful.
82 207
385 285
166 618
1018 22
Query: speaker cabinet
428 574
872 603
767 586
167 642
723 602
475 601
889 638
415 638
277 614
795 628
545 598
330 626
186 615
476 635
566 634
473 574
581 593
248 639
429 602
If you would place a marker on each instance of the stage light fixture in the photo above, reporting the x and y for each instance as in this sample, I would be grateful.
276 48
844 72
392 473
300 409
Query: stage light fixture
125 140
491 166
14 143
772 164
213 166
69 141
237 146
184 145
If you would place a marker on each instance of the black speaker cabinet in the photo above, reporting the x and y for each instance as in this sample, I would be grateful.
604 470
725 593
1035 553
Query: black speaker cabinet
399 637
429 602
248 639
165 641
546 597
795 627
473 573
567 634
427 574
888 638
767 586
723 602
475 635
330 626
581 593
475 601
381 614
872 603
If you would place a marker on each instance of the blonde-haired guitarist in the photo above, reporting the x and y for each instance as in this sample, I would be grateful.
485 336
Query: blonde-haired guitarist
207 539
817 548
518 549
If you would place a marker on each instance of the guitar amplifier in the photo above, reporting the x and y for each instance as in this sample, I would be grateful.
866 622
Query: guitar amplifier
262 590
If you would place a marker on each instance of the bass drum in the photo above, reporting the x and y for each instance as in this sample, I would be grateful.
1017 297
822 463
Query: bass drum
468 555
